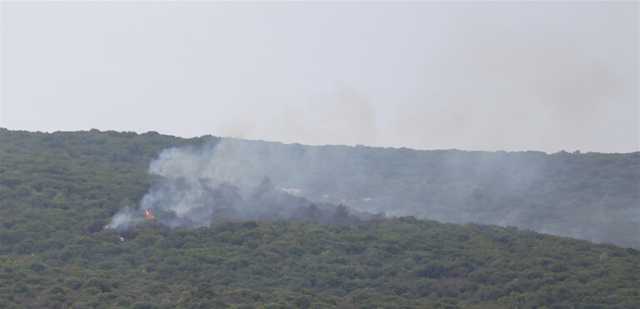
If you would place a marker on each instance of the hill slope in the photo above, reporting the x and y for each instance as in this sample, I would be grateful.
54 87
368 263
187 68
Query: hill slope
591 196
58 191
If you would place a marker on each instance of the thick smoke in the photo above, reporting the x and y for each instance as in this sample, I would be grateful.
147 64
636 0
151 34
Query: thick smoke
221 181
571 194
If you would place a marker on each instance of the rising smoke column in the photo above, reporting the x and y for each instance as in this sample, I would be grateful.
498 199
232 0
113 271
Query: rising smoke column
224 180
187 187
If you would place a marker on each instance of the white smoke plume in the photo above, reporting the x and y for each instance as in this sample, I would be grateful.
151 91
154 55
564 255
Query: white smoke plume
230 179
225 179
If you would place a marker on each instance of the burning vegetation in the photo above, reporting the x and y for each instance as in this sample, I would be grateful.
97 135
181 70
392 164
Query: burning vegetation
148 215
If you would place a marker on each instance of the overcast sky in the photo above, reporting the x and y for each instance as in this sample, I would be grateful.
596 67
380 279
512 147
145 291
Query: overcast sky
484 76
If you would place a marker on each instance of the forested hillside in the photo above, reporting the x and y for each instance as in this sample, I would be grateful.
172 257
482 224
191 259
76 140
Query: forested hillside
592 196
58 192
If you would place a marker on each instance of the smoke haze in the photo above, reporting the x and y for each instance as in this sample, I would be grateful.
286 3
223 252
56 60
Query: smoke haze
546 76
590 196
223 180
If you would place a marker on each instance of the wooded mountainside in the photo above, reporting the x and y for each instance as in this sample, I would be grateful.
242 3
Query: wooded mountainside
58 191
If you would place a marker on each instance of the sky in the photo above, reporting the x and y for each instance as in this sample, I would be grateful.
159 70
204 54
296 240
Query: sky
545 76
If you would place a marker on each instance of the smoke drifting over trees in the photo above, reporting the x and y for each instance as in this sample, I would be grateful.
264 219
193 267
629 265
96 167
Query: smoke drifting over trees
196 186
591 196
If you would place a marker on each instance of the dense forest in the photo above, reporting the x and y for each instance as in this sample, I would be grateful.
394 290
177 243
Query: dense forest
59 191
591 196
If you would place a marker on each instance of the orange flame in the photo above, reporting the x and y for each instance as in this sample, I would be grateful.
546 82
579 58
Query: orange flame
148 215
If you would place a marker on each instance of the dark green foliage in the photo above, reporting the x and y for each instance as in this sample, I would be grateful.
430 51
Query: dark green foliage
58 190
591 196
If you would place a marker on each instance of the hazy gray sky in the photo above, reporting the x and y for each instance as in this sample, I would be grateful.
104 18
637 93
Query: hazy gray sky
540 76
